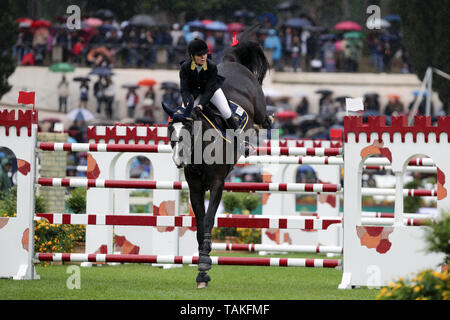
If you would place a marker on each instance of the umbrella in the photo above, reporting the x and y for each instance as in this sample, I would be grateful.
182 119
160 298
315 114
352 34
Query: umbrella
297 23
378 23
80 114
104 14
196 24
324 92
170 85
243 14
81 79
286 114
107 27
143 20
206 21
62 67
235 27
328 36
147 82
353 35
287 6
41 24
216 26
93 22
270 17
392 17
347 26
130 86
102 71
24 22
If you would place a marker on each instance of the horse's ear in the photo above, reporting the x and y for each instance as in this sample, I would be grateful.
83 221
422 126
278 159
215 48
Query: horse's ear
167 109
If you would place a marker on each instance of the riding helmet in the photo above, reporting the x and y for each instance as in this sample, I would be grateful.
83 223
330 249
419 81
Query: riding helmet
197 47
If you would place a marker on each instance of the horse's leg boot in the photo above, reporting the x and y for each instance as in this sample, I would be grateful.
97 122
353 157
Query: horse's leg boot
204 263
202 280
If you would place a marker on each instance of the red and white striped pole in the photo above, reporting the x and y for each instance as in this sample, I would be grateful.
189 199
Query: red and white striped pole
276 248
221 221
182 185
236 261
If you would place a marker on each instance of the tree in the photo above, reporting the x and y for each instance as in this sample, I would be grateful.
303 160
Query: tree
7 39
426 33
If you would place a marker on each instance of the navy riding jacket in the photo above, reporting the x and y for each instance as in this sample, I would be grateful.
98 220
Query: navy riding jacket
193 83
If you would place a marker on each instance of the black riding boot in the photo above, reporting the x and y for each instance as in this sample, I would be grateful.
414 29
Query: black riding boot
232 123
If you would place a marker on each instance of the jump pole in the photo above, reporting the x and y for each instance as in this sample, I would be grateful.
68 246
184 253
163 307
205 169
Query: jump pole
236 261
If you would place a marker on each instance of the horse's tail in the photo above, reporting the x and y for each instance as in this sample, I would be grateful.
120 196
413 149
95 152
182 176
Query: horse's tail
250 54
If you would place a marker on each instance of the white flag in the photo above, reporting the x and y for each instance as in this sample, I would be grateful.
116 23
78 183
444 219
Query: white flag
354 104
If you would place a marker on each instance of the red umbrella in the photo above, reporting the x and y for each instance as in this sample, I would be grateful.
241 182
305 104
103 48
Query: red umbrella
93 22
206 21
147 82
27 21
235 27
286 114
347 26
41 23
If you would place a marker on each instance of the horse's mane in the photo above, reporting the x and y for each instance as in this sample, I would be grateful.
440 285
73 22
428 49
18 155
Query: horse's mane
249 53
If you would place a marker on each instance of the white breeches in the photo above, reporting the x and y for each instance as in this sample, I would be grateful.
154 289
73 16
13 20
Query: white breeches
220 101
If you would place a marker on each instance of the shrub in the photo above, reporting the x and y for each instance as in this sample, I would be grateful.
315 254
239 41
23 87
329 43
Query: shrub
428 285
8 204
412 204
250 201
77 200
438 236
57 238
231 201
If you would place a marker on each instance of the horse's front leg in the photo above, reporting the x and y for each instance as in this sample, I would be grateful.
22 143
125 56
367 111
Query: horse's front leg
214 201
197 197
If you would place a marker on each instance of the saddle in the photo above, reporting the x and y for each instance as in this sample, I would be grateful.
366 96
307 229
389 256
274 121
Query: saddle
213 116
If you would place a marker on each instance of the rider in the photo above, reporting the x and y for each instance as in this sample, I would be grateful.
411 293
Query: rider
200 83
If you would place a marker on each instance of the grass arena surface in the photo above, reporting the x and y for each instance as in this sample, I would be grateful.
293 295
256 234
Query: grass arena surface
144 282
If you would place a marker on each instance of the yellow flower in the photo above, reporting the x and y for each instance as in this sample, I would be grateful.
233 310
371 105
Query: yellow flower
398 286
391 284
416 289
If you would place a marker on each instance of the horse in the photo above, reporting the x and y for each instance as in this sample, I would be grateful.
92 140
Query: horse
244 67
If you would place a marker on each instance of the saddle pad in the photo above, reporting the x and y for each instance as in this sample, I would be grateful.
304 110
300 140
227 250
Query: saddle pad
240 115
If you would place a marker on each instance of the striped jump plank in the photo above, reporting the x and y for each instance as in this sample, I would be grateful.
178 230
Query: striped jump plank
288 151
236 261
276 248
391 192
162 148
221 221
182 185
103 147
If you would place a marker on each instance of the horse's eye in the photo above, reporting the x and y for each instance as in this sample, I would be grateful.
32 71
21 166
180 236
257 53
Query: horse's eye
180 139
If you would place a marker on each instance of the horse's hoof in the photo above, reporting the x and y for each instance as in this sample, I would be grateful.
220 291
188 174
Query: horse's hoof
202 285
204 263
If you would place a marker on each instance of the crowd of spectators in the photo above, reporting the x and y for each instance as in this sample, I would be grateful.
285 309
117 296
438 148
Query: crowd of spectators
108 43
